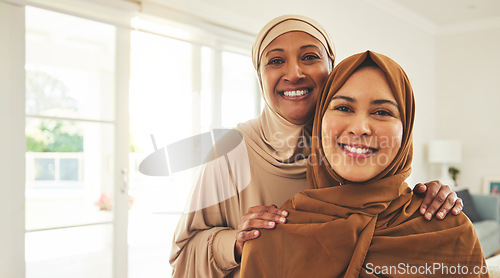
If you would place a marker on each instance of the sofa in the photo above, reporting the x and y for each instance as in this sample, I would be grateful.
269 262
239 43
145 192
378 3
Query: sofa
484 212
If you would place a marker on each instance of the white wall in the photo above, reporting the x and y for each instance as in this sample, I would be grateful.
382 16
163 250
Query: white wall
12 141
354 26
468 101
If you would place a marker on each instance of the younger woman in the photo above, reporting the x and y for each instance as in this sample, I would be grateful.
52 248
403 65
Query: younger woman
359 217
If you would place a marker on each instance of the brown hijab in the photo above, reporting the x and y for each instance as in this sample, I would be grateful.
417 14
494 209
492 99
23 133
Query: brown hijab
370 229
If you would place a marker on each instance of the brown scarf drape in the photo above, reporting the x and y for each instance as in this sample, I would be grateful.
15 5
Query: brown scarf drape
370 229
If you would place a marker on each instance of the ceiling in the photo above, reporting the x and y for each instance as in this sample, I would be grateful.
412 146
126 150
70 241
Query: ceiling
449 12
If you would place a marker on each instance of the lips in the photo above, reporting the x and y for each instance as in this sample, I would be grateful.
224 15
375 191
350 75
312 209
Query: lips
295 94
357 151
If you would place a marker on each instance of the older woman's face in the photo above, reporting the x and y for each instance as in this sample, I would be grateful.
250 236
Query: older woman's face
362 128
293 69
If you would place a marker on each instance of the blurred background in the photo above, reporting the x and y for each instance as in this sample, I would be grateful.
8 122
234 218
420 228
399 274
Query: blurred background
85 83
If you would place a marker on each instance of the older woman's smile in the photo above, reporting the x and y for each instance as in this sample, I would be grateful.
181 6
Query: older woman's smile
294 67
295 94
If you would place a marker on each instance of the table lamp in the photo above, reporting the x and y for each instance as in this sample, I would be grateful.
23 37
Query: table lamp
445 152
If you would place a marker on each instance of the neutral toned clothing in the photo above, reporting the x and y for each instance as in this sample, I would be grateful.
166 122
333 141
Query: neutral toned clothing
377 231
205 237
338 228
267 168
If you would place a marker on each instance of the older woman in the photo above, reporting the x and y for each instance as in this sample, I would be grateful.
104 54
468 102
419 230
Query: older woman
359 217
234 195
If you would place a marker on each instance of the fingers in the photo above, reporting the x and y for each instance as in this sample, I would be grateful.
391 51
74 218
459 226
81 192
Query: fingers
436 196
459 206
263 217
429 196
243 236
251 224
447 205
257 217
271 209
420 189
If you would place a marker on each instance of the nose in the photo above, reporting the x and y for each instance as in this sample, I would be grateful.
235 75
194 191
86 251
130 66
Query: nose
294 72
360 126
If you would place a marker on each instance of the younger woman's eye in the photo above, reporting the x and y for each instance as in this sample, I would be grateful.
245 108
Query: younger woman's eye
343 108
383 113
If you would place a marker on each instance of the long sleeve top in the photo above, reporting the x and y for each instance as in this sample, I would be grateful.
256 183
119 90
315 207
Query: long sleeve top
224 190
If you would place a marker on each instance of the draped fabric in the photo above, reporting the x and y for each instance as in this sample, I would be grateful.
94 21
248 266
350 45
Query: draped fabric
371 229
270 165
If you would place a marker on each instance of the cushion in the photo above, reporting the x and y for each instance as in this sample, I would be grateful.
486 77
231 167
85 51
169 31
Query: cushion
486 228
469 208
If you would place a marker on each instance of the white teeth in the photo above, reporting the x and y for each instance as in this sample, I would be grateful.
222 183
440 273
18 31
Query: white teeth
297 93
356 150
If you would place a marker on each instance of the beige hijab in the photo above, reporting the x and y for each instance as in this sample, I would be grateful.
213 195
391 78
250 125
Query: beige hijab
282 145
273 157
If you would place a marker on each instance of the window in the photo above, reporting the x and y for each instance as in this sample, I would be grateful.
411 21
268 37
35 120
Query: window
240 93
180 86
178 89
70 139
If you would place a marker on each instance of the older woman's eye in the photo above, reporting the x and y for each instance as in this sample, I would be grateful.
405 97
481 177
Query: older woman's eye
311 57
276 61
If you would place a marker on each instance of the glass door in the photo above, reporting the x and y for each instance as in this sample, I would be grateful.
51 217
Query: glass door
161 107
178 89
81 132
70 139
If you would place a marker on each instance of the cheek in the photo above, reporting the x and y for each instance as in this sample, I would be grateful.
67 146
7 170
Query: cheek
269 81
321 75
394 137
329 131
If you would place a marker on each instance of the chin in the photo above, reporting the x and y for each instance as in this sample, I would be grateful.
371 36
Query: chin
356 178
299 118
358 181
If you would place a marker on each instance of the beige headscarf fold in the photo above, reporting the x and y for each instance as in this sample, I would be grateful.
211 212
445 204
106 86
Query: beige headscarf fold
279 142
285 24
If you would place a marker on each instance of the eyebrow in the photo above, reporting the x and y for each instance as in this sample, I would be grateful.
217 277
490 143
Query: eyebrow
374 102
275 50
383 101
309 45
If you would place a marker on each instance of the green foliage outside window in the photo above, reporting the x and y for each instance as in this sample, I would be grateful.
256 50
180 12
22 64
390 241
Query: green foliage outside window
52 136
44 92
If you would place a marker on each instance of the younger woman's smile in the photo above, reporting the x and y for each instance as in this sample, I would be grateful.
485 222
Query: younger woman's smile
362 128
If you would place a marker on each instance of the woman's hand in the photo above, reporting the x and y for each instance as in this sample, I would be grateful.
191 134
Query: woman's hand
258 217
443 198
